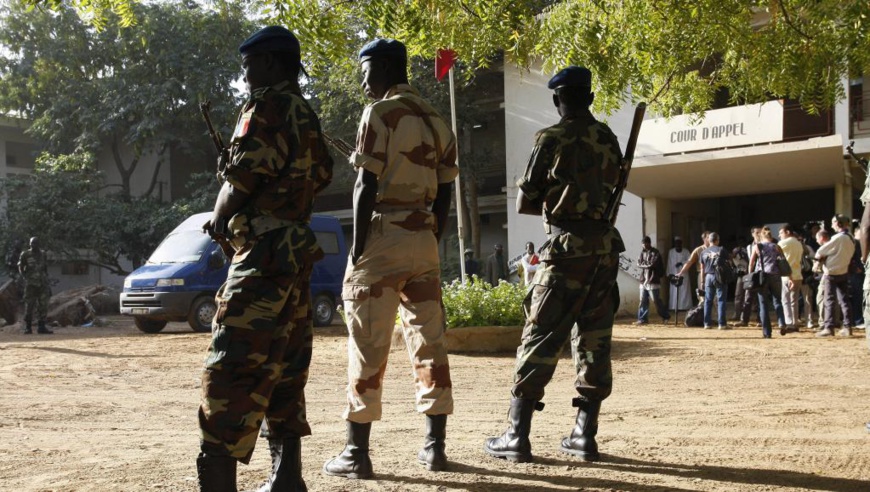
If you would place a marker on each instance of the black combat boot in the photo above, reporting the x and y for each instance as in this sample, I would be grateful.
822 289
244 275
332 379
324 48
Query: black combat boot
286 466
28 328
432 455
354 461
40 328
216 473
581 442
514 444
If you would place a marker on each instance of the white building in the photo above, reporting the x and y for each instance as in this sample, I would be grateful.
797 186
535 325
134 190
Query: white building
737 167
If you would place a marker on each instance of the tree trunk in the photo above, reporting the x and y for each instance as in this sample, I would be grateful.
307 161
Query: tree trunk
126 172
470 204
156 173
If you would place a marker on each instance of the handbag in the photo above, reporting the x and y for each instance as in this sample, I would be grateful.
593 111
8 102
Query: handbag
754 280
784 267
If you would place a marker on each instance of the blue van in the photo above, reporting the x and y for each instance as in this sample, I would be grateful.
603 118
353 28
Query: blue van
180 279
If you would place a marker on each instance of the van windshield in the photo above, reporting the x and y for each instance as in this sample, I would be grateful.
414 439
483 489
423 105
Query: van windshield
181 247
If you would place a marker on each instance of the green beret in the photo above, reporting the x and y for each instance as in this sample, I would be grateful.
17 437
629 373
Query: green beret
270 39
572 76
383 47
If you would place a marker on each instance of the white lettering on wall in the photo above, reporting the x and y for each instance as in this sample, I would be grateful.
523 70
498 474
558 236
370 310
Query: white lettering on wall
729 127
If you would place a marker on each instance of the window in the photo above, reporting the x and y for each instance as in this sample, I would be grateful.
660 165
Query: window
328 242
74 268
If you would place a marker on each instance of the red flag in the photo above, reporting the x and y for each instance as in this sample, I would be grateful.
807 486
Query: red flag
443 62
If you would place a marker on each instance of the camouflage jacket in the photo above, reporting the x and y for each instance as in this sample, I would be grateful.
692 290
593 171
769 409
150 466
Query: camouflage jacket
33 267
410 159
277 156
571 173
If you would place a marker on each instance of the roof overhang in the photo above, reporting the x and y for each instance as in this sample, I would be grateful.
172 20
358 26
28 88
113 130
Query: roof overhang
790 166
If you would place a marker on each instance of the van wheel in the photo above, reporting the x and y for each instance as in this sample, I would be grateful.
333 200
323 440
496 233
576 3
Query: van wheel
149 325
324 309
201 314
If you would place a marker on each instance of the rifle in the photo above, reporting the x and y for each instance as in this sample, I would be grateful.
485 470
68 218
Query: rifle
860 160
338 144
625 166
223 154
219 231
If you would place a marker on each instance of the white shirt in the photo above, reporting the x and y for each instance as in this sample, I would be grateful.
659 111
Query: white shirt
837 253
529 269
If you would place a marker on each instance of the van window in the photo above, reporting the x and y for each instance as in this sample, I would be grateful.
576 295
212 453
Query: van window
328 241
181 247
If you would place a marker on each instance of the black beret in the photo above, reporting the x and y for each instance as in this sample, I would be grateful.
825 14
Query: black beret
383 47
270 39
572 76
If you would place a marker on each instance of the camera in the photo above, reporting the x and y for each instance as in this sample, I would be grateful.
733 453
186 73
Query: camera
675 280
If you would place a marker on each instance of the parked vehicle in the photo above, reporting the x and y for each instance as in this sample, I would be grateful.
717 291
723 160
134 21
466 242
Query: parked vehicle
180 279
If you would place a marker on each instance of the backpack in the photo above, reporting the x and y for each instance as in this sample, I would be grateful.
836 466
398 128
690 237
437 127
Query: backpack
724 269
695 316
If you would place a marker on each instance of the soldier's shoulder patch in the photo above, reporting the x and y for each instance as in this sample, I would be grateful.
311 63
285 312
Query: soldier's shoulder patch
244 124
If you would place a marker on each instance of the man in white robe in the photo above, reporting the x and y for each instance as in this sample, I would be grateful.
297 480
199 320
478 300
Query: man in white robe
677 257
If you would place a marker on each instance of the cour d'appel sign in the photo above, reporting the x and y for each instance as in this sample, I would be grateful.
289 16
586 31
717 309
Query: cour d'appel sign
720 128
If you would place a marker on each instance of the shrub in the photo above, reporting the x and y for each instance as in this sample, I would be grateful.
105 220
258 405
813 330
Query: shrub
477 303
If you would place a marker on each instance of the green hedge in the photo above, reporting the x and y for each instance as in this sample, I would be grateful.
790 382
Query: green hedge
477 303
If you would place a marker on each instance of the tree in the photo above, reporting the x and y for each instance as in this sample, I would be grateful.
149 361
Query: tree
61 203
87 89
677 55
674 54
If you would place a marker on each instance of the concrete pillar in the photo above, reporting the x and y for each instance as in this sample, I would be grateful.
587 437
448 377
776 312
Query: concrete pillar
843 192
657 222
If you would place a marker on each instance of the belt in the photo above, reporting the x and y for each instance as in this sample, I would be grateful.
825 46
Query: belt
265 223
578 227
401 207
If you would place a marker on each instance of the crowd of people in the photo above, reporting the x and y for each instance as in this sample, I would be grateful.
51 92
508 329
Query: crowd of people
807 277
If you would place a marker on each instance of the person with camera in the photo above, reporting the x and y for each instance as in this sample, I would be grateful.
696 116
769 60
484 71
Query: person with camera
835 256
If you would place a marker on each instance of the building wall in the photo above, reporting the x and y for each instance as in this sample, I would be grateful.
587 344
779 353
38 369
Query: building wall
141 178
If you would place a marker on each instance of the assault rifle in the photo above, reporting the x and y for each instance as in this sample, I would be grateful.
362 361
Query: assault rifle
219 230
625 166
860 160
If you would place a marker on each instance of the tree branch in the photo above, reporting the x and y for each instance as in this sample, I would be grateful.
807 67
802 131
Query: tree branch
788 21
157 167
661 91
336 4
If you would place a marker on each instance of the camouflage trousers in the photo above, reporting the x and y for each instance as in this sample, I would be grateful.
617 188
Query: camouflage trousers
569 298
398 270
36 297
257 363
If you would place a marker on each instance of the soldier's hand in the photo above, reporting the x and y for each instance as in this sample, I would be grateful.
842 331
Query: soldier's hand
223 160
355 253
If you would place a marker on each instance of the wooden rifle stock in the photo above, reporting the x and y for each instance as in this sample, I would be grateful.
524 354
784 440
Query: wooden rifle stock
625 167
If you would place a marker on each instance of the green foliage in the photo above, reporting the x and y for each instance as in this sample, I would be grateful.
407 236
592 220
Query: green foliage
674 54
677 55
477 303
87 89
67 204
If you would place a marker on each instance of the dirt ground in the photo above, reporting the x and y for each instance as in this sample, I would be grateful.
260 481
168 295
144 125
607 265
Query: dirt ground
111 409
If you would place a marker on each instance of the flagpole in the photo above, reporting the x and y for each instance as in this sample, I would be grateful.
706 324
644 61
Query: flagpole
460 216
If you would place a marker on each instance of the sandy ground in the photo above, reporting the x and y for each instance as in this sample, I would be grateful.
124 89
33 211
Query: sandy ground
110 409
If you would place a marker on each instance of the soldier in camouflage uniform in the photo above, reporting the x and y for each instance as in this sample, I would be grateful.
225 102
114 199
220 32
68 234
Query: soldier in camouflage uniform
34 271
572 172
406 162
257 363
